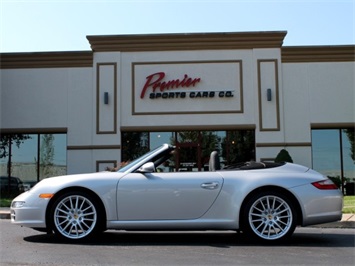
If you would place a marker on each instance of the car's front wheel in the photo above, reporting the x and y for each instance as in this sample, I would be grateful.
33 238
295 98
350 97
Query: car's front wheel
75 216
269 215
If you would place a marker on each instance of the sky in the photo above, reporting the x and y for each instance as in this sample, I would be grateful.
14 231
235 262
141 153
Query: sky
62 25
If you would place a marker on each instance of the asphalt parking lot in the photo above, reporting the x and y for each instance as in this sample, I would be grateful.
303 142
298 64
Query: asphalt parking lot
307 246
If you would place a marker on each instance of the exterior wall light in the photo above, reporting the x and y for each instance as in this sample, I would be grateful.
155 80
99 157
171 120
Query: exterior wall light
269 95
105 97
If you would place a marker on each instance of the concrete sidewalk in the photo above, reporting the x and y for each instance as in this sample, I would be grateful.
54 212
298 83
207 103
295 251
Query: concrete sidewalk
347 221
348 217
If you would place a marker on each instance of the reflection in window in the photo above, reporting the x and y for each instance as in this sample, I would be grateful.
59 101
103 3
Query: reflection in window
134 145
348 152
193 147
239 146
4 157
326 152
52 155
333 153
24 160
32 157
7 144
158 138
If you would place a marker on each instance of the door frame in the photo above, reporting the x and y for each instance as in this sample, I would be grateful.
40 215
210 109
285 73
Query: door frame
182 145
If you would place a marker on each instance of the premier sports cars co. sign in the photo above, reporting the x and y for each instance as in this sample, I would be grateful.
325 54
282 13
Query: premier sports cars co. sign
187 87
161 88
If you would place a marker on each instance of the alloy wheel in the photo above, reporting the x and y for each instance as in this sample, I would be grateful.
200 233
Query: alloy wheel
75 217
270 217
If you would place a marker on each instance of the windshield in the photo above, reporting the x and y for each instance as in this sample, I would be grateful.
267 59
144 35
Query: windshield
131 164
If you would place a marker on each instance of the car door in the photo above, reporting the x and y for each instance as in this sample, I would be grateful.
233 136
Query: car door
167 196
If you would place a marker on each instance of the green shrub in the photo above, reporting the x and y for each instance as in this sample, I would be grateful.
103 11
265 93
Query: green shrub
336 180
283 156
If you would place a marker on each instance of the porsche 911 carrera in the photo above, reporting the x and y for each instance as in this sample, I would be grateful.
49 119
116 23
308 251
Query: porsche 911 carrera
264 200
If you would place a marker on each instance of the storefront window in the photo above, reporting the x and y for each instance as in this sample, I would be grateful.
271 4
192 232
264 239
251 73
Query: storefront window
239 146
52 155
134 144
348 153
33 157
24 160
193 147
4 156
158 138
333 154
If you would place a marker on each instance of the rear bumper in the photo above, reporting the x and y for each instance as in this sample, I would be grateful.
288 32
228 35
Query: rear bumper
322 218
319 206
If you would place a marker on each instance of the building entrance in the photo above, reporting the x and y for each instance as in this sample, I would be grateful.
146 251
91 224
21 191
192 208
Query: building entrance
188 157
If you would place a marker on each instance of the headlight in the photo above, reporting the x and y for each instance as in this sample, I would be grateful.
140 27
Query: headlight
17 204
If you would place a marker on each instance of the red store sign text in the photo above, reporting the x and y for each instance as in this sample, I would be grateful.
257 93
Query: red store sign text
160 89
155 81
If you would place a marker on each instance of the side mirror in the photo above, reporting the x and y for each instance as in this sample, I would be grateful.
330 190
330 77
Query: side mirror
147 168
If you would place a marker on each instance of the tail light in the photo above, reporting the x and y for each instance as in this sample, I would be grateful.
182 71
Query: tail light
325 184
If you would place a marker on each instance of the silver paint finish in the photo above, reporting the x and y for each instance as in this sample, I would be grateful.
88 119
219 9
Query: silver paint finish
183 200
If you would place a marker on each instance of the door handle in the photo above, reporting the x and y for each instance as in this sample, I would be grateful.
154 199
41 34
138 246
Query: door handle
210 185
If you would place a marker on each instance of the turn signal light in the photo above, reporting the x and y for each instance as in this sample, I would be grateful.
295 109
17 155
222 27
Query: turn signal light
325 184
46 195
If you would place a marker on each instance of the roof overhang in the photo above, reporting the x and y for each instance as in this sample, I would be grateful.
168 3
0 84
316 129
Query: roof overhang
189 41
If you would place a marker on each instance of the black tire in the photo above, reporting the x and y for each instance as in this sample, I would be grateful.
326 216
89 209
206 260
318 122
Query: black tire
76 216
269 216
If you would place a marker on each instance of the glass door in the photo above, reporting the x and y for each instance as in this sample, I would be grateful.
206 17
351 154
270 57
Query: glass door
188 157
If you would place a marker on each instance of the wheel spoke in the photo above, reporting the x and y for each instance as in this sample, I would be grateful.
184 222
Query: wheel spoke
71 203
264 228
268 203
87 226
66 207
273 204
87 214
65 227
87 208
257 214
76 202
82 204
73 229
257 209
279 227
282 204
282 211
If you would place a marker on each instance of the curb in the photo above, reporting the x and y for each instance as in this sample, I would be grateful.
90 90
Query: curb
341 224
5 213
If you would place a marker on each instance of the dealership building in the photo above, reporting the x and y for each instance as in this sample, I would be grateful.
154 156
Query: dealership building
243 93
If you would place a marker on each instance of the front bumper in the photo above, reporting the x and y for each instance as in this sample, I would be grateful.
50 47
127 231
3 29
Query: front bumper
32 213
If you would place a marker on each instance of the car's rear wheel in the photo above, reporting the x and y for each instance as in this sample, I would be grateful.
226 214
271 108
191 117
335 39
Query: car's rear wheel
75 216
269 216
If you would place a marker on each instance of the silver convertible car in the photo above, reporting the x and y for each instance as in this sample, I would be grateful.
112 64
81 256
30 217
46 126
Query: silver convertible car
264 200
